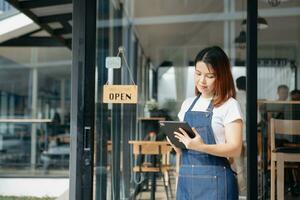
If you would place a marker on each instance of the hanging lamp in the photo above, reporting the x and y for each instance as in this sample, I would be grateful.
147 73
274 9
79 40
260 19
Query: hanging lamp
261 23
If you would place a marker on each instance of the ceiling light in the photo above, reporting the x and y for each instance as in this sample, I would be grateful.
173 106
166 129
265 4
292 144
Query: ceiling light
261 23
240 40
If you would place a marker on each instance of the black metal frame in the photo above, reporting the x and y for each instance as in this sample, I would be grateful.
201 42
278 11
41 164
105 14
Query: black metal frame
83 104
251 117
28 41
102 117
129 110
117 122
56 34
37 4
55 18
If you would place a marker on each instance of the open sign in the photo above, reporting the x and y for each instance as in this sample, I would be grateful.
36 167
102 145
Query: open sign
126 94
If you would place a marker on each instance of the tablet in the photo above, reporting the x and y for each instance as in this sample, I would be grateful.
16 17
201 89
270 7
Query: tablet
169 127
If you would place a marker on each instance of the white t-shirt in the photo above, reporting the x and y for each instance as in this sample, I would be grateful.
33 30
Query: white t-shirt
228 112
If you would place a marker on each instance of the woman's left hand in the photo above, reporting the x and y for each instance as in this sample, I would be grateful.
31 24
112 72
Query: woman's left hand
190 143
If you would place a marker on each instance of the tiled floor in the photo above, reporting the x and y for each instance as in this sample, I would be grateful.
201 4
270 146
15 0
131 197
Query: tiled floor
160 193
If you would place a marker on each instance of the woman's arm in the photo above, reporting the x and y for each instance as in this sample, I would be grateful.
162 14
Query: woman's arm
232 147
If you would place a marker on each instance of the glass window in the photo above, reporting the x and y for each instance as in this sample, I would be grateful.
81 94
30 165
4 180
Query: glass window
34 111
278 83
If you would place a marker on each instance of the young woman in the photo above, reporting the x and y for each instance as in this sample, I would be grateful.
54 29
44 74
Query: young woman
216 119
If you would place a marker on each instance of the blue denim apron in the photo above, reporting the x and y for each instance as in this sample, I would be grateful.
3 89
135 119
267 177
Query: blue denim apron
201 175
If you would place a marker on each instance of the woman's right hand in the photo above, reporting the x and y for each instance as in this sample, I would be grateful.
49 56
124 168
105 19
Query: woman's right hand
178 150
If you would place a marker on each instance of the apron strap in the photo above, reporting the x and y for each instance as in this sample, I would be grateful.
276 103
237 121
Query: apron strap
194 102
210 107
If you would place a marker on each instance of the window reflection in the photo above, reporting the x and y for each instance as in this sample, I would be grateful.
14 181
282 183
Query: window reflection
34 111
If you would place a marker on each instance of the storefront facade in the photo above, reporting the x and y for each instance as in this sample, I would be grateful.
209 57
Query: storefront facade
160 39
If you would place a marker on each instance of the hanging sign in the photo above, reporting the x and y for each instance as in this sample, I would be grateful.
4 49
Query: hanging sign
126 94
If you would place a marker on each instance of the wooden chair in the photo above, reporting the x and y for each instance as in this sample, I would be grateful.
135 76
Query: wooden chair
280 155
162 166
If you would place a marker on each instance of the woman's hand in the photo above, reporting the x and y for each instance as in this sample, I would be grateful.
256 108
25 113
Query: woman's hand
178 150
190 143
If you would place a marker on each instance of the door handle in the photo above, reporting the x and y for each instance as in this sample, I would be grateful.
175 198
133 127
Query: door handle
87 138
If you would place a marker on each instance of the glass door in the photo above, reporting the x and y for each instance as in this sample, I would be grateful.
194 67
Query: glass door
161 40
278 95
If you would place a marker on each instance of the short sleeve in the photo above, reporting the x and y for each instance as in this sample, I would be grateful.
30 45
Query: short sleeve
184 107
233 112
181 112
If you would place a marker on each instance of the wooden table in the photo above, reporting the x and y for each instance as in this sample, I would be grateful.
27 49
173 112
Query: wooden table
165 147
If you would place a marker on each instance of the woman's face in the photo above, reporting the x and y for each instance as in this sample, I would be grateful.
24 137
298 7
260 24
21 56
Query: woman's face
205 79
